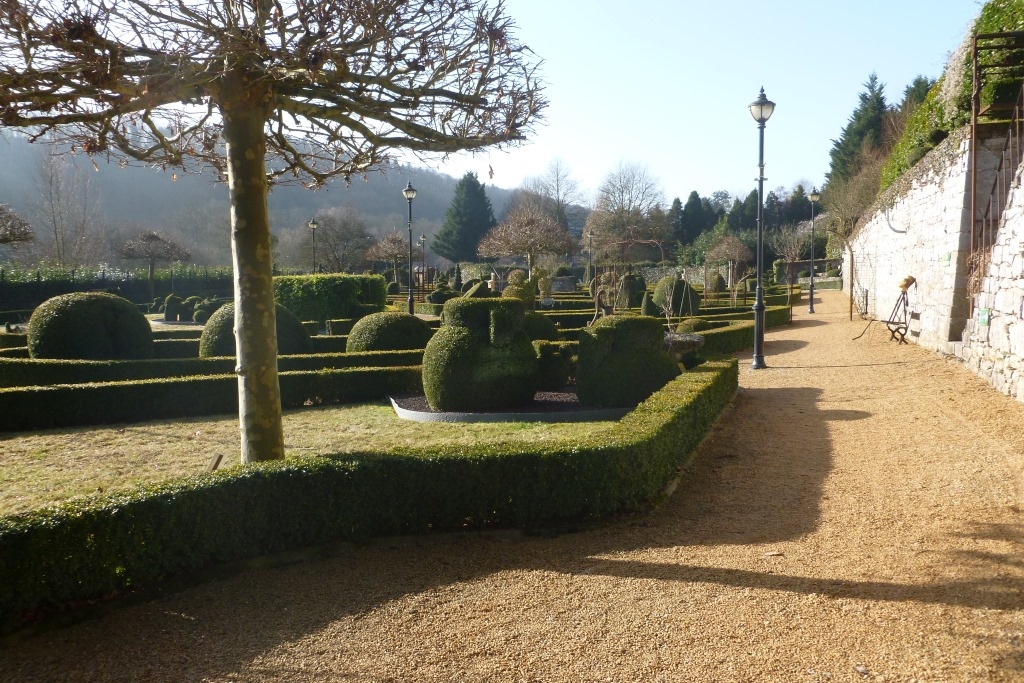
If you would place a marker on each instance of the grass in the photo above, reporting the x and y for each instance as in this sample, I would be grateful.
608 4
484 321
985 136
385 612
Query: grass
43 468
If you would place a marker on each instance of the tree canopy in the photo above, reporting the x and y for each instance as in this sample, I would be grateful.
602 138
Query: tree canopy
467 220
528 231
865 128
13 228
258 92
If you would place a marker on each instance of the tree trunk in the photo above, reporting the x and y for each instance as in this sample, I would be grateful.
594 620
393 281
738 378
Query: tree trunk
259 394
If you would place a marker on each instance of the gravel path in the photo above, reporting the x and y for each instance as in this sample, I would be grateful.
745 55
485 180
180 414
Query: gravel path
856 515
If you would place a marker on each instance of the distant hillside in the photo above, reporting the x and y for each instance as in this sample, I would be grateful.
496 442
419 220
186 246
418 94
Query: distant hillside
135 196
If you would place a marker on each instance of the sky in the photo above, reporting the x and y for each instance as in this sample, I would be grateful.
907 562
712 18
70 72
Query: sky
666 84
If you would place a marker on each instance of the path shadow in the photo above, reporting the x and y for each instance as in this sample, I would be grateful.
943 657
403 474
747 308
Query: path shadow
743 487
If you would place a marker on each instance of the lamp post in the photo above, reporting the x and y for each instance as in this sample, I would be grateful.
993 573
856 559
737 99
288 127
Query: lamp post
410 193
423 263
813 196
761 109
312 231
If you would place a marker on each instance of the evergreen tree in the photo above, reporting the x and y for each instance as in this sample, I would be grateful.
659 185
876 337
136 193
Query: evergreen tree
866 125
692 221
466 221
749 217
734 219
675 212
797 208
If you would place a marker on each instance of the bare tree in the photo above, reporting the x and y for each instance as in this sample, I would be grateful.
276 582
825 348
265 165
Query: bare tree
13 228
627 213
67 207
392 248
731 250
152 247
554 192
789 242
264 91
528 231
342 239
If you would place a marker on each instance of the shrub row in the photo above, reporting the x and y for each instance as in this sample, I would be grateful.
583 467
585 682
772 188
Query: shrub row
16 372
9 340
327 297
26 408
89 548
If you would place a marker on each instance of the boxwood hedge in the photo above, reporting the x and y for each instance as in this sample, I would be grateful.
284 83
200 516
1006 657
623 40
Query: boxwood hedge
85 549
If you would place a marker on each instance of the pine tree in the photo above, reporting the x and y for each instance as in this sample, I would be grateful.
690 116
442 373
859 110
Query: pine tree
692 221
866 125
675 214
466 221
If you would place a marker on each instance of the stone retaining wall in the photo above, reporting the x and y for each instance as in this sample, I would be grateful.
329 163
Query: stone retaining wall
921 227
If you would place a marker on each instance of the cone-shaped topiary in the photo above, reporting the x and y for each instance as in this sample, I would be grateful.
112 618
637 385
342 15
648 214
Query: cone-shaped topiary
647 306
480 359
622 361
218 337
388 331
684 300
89 326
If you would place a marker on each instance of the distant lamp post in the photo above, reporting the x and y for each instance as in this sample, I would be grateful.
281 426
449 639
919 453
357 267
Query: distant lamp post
313 225
761 109
410 194
423 262
813 196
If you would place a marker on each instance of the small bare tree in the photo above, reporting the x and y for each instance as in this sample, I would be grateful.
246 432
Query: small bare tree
342 239
528 231
13 228
391 248
152 247
789 242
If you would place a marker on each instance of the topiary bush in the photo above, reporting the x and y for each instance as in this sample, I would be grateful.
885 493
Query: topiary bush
647 306
699 325
676 295
539 326
388 331
172 305
219 335
622 361
480 359
394 288
630 291
89 326
522 288
478 291
554 364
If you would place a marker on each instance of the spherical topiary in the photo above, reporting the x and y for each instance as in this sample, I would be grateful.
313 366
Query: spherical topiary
480 359
394 288
441 294
388 331
539 326
676 295
218 338
89 326
622 361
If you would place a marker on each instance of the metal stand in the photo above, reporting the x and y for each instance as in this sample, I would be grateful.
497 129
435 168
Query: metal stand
899 320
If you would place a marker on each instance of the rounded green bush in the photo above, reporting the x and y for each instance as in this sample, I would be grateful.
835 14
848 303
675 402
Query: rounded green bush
218 337
394 288
539 326
89 326
480 359
685 301
172 306
622 361
388 331
441 294
699 325
630 291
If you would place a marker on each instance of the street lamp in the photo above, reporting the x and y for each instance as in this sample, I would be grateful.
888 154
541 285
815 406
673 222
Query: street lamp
813 196
312 231
410 193
761 109
423 263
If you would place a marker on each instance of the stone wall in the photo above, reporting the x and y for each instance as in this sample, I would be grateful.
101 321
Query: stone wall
921 227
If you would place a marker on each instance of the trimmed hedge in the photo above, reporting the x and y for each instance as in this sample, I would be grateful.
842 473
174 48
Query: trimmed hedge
218 337
327 343
10 340
27 408
328 297
89 325
178 333
89 548
389 331
16 372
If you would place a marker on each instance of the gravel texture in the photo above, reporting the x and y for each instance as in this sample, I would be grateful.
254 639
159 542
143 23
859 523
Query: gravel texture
855 516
